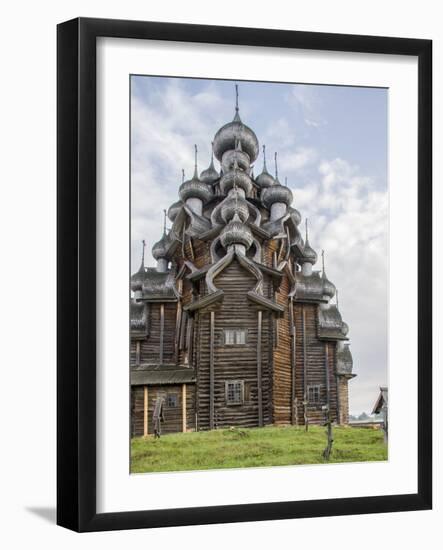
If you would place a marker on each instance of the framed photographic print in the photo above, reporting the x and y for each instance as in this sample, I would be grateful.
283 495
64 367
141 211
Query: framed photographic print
244 274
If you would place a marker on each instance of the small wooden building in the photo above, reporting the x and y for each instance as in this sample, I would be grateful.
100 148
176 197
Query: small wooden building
381 407
234 327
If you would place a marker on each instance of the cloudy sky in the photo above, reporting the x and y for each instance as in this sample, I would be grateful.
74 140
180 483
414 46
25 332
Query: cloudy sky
332 147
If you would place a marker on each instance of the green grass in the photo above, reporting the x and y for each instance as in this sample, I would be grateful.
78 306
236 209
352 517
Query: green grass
242 448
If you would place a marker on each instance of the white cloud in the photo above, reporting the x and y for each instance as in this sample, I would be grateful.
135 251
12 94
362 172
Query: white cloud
305 98
298 159
165 127
348 219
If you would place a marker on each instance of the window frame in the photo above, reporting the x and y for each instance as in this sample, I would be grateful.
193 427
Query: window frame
174 395
235 331
313 387
242 392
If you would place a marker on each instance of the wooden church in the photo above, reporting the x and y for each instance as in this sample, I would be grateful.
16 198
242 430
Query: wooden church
234 327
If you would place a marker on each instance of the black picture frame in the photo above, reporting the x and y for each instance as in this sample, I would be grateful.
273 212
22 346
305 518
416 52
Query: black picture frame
76 280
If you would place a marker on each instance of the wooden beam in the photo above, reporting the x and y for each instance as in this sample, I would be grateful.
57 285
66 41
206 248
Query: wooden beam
177 331
145 411
294 411
162 330
184 318
189 338
271 364
211 371
305 369
196 359
338 400
328 391
259 369
137 352
184 407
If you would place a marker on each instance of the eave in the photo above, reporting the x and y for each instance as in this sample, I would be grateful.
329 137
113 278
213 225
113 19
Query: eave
265 302
206 301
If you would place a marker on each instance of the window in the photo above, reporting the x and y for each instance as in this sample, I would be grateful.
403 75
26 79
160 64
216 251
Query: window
171 400
314 394
234 392
235 337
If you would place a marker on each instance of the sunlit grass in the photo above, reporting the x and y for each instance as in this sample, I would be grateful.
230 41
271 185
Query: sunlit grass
242 448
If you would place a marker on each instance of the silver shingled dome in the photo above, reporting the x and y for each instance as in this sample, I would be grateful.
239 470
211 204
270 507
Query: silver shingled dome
226 138
236 232
160 248
210 175
236 178
234 203
174 209
265 179
328 287
309 254
276 193
195 189
234 155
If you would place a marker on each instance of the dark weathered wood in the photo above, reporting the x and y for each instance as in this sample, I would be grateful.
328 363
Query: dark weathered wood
259 368
211 372
338 415
137 352
162 331
305 371
294 415
173 416
327 375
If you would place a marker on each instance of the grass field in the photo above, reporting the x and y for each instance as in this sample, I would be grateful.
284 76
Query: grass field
270 446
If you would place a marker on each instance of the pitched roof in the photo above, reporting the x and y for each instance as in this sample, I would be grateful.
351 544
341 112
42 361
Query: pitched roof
158 286
309 288
344 359
382 399
139 319
330 323
161 375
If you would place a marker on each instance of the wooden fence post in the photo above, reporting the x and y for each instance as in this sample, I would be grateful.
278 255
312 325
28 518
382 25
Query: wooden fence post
145 411
184 407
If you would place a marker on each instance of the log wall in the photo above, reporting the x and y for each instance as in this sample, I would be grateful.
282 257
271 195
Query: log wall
282 394
158 347
231 362
343 400
312 356
173 415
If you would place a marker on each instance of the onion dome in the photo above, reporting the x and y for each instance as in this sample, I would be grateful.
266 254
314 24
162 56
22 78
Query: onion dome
236 155
328 287
276 193
227 136
295 215
265 179
174 209
138 277
345 362
195 188
234 204
160 248
309 254
210 175
236 232
236 178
